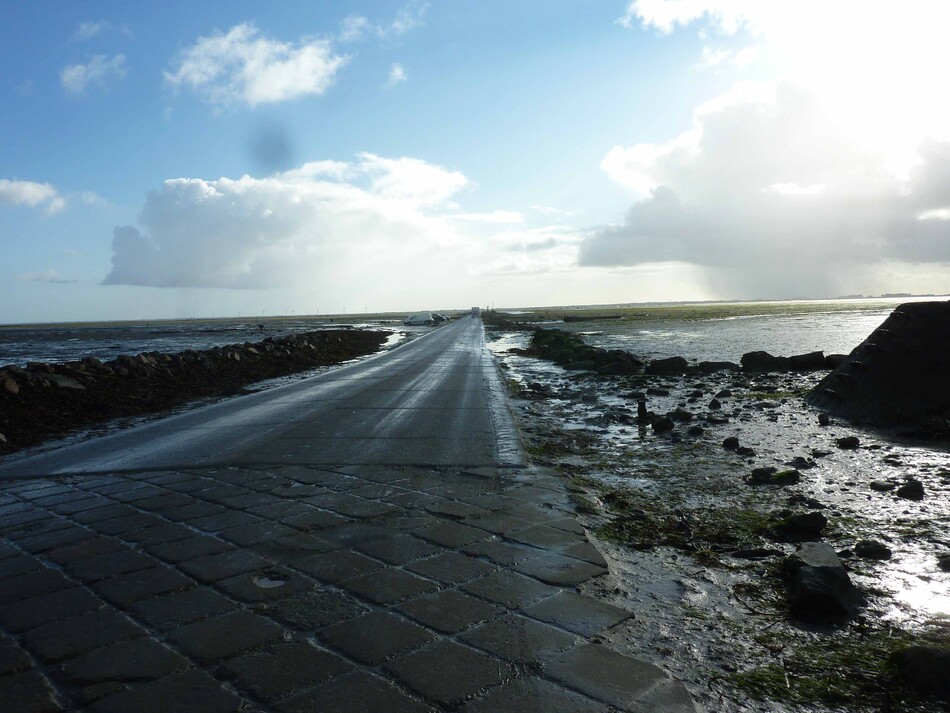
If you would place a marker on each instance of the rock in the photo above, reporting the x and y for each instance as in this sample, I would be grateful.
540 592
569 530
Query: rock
731 443
943 561
3 439
823 419
657 391
848 442
662 424
872 550
715 404
763 361
744 451
673 366
833 361
899 376
10 386
786 477
64 382
801 526
802 463
695 431
723 394
762 476
820 590
882 486
681 415
813 361
924 669
911 490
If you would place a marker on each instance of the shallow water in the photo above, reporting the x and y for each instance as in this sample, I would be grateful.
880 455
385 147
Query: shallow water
60 343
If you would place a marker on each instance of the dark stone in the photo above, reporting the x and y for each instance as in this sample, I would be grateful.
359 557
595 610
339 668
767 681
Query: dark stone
681 415
715 404
772 476
801 526
848 442
924 669
662 424
943 561
745 451
764 362
882 485
820 590
823 419
911 490
709 367
695 431
813 361
762 476
731 443
872 549
672 366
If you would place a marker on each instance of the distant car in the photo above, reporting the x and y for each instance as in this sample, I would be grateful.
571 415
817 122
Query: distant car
439 317
423 319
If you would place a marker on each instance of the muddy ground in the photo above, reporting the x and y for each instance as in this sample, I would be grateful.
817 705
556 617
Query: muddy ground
693 545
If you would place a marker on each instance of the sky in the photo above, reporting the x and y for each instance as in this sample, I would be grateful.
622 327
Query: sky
182 159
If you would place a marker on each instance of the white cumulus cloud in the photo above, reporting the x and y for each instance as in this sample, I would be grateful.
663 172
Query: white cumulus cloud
31 194
92 29
355 28
52 276
99 71
766 189
243 67
289 228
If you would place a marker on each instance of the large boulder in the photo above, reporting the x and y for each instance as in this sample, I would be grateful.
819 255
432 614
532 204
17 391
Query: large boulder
673 366
820 590
899 376
924 669
763 361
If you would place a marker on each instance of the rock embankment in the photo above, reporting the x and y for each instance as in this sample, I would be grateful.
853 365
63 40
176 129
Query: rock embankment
899 376
44 401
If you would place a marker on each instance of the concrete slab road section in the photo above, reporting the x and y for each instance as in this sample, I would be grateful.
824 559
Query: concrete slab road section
366 540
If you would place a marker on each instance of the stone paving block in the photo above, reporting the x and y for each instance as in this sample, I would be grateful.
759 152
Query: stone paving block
560 570
265 585
587 552
106 512
284 670
455 510
120 486
179 608
377 491
12 658
413 499
212 568
448 672
549 538
223 521
191 691
354 534
130 588
338 566
114 564
498 523
190 548
28 692
225 636
376 637
314 610
161 503
621 681
451 568
165 532
399 549
502 552
245 535
119 525
24 521
519 639
509 588
79 634
24 614
63 534
136 660
313 519
360 692
577 613
32 583
75 506
533 695
277 507
219 491
196 510
389 586
449 611
19 565
293 548
249 500
452 534
135 491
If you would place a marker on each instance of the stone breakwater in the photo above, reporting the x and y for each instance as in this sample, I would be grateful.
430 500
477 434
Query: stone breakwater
45 401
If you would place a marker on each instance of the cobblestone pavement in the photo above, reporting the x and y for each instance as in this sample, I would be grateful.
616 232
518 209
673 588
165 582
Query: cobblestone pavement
295 589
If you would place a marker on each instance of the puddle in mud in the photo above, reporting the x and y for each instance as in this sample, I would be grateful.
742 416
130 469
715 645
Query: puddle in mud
717 621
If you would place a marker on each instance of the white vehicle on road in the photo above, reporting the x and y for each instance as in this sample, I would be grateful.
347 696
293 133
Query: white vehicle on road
419 319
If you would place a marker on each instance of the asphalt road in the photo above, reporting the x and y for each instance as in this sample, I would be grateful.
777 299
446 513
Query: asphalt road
436 401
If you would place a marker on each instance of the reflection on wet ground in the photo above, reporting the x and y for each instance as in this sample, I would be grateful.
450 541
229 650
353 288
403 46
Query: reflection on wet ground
706 614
